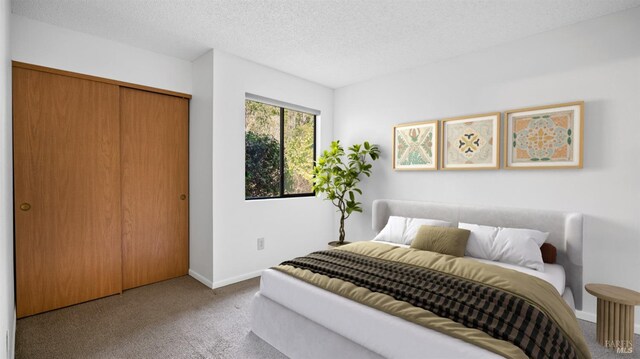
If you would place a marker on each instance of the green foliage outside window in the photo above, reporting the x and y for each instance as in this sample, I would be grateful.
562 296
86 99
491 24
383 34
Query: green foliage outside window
263 151
298 152
262 166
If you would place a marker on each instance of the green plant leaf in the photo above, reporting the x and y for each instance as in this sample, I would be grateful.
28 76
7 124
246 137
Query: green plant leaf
338 180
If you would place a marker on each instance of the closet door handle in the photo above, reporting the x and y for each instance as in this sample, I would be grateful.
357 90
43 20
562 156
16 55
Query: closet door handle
183 196
25 206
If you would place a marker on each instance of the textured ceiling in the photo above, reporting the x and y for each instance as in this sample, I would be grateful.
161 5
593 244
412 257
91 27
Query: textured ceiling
332 42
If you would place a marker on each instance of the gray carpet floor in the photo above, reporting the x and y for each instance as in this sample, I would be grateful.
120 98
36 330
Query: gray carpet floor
178 318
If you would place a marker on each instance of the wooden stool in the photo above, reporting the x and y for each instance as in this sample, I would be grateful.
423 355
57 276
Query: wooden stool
614 320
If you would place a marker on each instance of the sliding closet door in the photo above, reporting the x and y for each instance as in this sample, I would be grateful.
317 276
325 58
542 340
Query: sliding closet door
67 190
154 187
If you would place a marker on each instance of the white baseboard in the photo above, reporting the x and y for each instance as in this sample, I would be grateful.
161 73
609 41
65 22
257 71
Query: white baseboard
206 281
591 317
237 279
200 278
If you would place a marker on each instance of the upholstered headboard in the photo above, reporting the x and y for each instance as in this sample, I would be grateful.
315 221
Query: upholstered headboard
565 229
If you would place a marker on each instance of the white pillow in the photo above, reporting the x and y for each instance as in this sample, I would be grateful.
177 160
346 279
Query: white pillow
507 245
481 239
523 252
517 234
403 230
520 247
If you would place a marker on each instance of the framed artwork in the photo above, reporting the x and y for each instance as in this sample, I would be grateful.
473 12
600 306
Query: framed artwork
544 137
471 142
415 146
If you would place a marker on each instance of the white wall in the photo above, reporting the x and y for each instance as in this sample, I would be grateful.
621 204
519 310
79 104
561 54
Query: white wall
200 171
7 303
291 227
48 45
596 61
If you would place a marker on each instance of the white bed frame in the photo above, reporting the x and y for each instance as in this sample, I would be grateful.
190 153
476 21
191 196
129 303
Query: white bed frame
299 337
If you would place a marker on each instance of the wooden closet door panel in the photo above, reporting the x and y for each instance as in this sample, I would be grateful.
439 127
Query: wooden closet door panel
67 168
154 177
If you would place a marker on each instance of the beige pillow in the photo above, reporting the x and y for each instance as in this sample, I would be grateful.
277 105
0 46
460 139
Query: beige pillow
451 241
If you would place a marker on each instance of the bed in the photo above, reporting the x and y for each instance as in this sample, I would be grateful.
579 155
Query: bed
304 321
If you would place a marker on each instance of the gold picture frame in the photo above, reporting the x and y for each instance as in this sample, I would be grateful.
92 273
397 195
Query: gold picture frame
415 146
544 137
471 142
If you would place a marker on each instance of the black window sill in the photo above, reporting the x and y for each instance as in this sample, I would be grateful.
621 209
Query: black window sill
288 196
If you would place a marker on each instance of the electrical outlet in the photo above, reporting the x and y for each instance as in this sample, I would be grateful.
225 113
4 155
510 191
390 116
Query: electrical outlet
260 243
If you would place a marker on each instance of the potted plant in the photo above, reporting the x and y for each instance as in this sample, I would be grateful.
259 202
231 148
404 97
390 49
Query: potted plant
338 178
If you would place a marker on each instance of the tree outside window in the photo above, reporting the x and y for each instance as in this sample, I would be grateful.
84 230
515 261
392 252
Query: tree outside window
279 151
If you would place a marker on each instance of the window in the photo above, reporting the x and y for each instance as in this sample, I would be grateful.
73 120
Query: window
279 150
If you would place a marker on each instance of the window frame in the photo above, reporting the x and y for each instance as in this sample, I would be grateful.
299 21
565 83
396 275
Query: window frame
282 108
